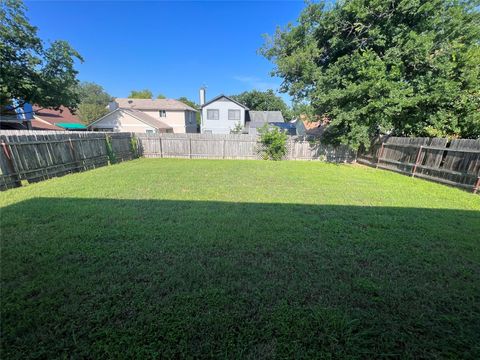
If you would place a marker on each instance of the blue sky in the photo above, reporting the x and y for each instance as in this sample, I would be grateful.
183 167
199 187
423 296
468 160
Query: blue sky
169 47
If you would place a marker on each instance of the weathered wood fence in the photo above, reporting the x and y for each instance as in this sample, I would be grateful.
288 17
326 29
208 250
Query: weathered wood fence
454 163
232 146
39 155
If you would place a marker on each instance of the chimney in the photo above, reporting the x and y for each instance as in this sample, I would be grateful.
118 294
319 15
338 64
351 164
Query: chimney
112 105
202 95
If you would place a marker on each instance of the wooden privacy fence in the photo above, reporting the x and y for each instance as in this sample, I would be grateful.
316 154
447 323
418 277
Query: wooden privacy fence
39 155
232 146
454 163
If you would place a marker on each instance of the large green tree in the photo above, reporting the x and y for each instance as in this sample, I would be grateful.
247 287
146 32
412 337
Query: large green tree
31 72
263 101
406 67
93 102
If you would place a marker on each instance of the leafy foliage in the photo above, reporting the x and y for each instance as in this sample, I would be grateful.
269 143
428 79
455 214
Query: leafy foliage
93 102
88 113
237 129
263 101
141 94
30 72
274 142
404 67
92 93
161 96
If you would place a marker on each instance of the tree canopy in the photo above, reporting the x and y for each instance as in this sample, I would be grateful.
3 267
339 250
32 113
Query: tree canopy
93 102
144 94
263 101
403 67
141 94
30 71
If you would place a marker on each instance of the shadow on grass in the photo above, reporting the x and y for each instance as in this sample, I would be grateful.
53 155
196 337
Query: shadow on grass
143 278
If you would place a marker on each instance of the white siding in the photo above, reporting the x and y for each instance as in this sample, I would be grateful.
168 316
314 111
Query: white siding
222 125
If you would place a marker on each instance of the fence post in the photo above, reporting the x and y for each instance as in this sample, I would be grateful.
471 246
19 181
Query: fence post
381 154
7 149
223 149
190 147
161 147
417 160
477 185
74 155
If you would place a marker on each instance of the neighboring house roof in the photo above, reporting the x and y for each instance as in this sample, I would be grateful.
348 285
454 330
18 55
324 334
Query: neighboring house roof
147 119
314 127
60 119
227 98
150 104
260 118
39 124
139 115
288 127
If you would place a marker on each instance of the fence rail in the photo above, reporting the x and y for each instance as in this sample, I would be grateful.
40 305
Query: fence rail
39 155
456 163
232 146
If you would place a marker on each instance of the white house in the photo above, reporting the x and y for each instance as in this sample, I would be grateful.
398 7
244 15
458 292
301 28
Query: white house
147 116
221 114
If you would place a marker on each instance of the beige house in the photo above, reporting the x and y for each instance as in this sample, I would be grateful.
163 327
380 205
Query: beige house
147 116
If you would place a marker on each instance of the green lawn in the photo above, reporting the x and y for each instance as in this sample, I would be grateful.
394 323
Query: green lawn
165 258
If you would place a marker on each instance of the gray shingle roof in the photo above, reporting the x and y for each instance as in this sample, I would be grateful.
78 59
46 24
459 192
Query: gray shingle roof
150 104
259 118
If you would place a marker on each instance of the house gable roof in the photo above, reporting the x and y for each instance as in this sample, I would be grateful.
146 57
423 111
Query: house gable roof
153 104
226 97
147 119
139 115
40 124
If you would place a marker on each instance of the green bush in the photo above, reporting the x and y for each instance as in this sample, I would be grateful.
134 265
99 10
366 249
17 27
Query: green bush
111 154
274 143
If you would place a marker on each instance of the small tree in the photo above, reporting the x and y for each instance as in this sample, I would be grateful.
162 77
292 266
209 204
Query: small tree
237 129
274 143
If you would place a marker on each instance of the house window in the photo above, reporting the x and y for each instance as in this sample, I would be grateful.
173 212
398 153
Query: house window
234 115
149 131
162 113
213 114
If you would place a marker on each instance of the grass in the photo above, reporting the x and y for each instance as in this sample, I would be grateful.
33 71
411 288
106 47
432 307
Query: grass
164 258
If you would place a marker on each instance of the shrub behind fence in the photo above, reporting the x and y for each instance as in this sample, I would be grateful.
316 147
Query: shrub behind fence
232 146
